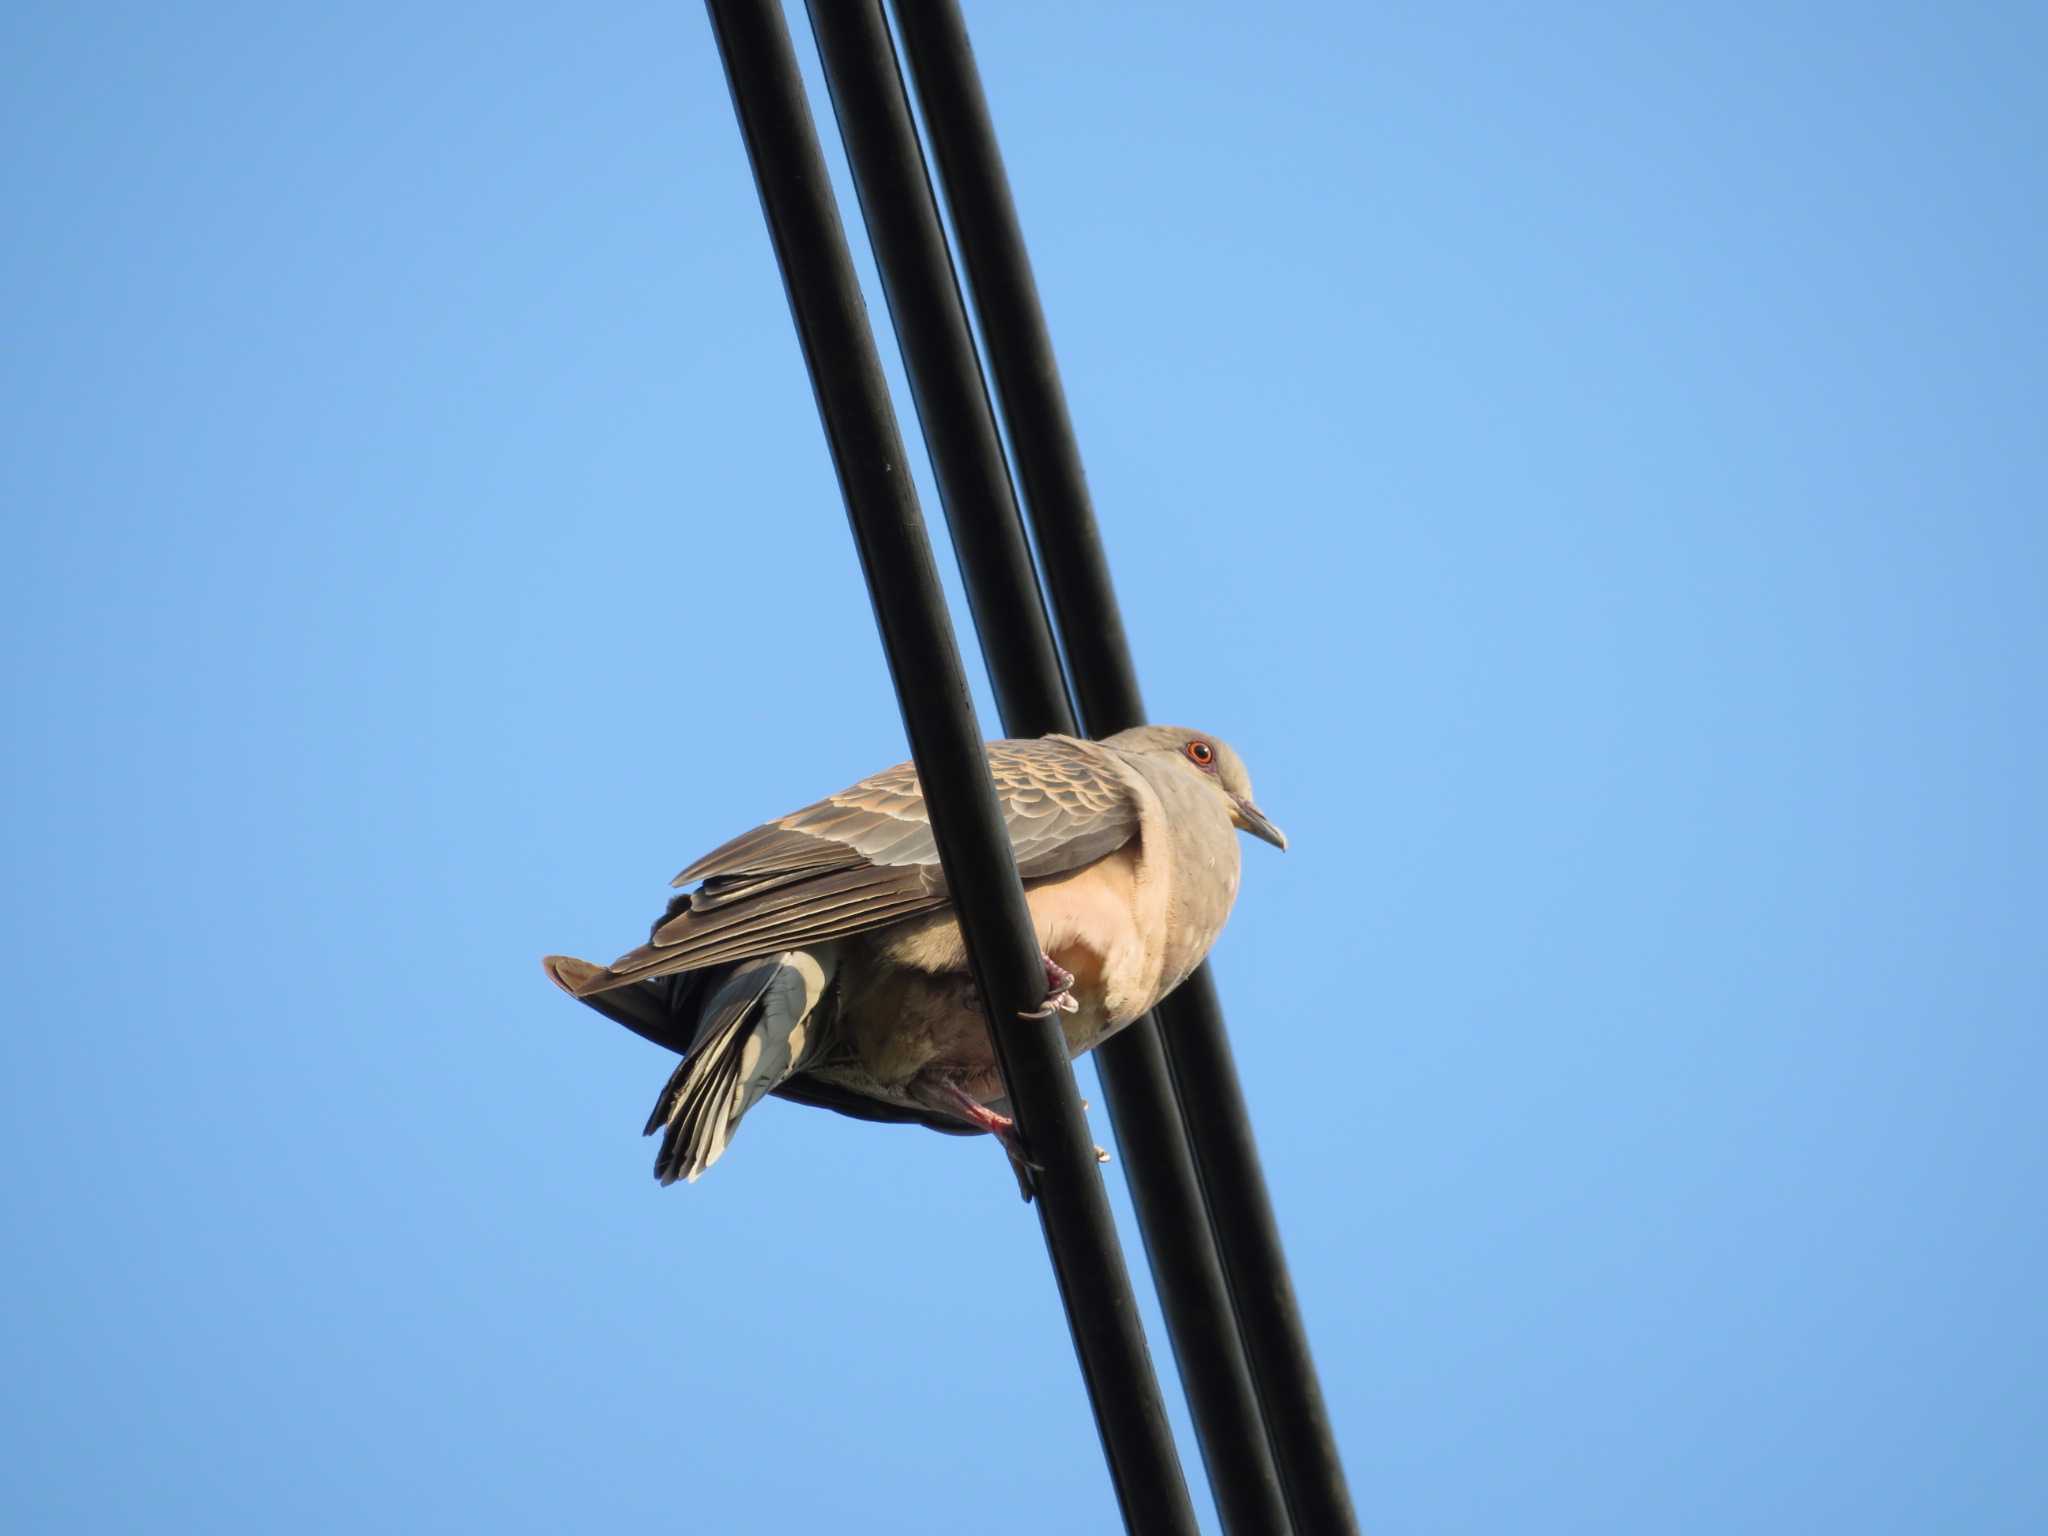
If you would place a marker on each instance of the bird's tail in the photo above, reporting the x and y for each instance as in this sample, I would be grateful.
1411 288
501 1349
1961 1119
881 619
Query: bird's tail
756 1027
578 978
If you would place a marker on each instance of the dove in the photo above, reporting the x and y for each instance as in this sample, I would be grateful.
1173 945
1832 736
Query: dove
819 956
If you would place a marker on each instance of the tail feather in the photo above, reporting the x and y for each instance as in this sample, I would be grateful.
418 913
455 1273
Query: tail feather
578 978
725 1011
755 1031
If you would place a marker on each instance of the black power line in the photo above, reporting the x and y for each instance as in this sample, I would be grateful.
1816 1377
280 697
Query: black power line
1017 644
1084 601
938 716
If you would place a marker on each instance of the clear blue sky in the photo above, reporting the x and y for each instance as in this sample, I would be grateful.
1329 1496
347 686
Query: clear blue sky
1593 467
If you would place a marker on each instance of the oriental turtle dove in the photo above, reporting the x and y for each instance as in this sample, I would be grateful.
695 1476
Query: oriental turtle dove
819 958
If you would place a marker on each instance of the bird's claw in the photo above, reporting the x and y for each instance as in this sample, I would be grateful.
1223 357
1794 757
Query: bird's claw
1021 1165
1013 1144
1058 996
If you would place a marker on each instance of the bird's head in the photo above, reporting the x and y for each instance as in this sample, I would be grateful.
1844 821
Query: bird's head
1211 760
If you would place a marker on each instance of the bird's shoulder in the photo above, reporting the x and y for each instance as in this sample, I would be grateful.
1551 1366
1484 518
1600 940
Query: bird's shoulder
1061 797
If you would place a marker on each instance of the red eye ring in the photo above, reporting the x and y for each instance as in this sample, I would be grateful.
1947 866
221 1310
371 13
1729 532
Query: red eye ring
1201 754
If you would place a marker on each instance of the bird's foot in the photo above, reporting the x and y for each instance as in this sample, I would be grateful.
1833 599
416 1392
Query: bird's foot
948 1097
1058 999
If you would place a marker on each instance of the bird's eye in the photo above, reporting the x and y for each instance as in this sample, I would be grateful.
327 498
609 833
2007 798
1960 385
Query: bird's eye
1201 754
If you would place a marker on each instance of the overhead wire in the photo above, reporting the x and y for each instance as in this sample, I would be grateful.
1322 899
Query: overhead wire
946 744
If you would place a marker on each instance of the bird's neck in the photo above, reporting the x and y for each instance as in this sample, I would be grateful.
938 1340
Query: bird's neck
1200 849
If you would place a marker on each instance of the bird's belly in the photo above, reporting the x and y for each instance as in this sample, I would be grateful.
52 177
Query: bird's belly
916 1010
935 1023
971 1060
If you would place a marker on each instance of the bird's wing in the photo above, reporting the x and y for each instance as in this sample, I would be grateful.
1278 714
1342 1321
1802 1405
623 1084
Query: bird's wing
865 858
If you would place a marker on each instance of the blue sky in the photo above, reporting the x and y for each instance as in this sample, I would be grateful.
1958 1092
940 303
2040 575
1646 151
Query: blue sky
1590 464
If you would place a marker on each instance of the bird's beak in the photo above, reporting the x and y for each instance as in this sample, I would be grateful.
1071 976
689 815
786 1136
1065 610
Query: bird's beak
1250 818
